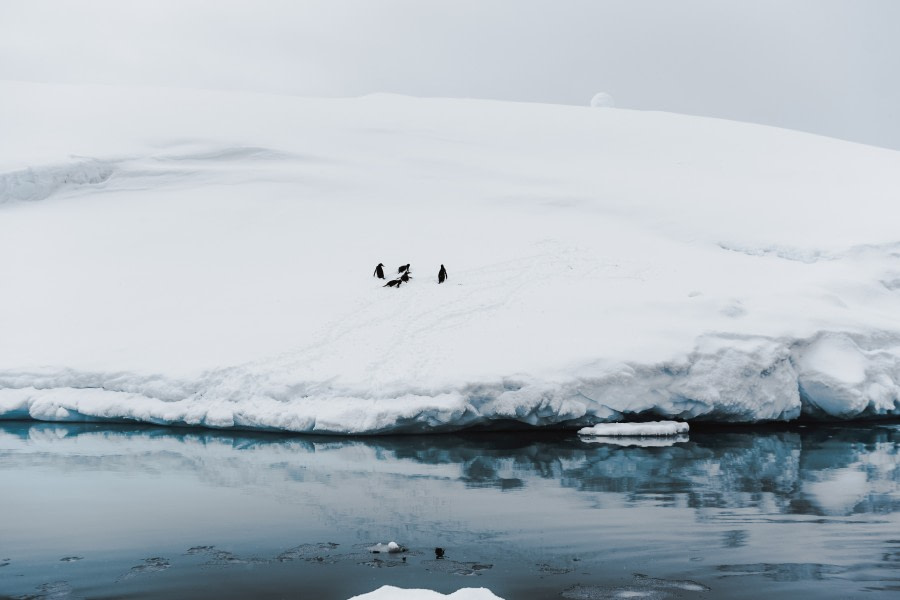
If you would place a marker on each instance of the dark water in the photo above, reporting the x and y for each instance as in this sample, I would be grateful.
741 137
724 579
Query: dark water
119 512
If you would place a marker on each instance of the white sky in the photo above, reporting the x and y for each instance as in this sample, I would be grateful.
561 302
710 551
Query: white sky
825 66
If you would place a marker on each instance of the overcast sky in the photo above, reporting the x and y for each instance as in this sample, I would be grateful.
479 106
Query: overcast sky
826 66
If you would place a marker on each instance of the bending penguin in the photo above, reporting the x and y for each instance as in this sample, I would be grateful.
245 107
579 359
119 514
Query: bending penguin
379 271
403 269
442 275
393 283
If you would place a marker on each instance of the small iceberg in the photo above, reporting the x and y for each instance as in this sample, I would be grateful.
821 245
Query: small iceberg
388 592
389 548
651 428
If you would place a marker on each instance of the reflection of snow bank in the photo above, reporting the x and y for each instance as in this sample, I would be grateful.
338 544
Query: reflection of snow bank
653 428
389 592
838 491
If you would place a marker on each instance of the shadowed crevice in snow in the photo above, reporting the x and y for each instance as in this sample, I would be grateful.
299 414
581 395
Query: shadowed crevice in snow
236 153
727 378
807 256
40 182
813 255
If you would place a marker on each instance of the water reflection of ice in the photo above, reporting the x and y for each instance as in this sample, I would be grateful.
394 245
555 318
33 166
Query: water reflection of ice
785 505
835 472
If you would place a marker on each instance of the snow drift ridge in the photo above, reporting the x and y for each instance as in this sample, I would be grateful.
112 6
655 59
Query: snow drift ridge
38 183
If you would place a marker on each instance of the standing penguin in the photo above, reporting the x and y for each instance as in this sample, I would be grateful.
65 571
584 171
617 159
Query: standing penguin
379 271
442 275
403 269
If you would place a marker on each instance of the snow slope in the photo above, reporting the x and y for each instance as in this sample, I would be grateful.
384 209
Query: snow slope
205 258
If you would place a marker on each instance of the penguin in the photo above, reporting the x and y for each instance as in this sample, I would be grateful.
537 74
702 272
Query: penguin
439 553
442 275
403 269
379 271
393 283
405 277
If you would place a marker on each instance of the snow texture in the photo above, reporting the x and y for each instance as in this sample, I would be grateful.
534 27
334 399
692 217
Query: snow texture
389 592
652 428
205 258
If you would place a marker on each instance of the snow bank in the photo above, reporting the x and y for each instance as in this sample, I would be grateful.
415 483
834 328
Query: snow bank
205 258
389 592
651 428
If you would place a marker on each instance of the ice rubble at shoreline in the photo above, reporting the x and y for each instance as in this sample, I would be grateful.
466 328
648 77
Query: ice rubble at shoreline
202 258
729 384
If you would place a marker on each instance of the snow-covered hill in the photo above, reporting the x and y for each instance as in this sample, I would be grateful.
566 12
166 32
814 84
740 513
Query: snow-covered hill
206 258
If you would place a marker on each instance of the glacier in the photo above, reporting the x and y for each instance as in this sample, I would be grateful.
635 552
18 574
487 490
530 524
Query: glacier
204 258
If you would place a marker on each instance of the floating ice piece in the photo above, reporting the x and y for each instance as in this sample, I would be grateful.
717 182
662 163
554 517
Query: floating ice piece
389 592
652 428
642 442
390 547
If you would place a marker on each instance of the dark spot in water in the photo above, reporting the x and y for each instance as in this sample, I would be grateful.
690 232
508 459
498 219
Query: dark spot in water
223 557
643 587
58 590
220 557
455 567
151 565
736 538
551 570
310 552
785 572
883 588
71 558
378 563
677 584
599 592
